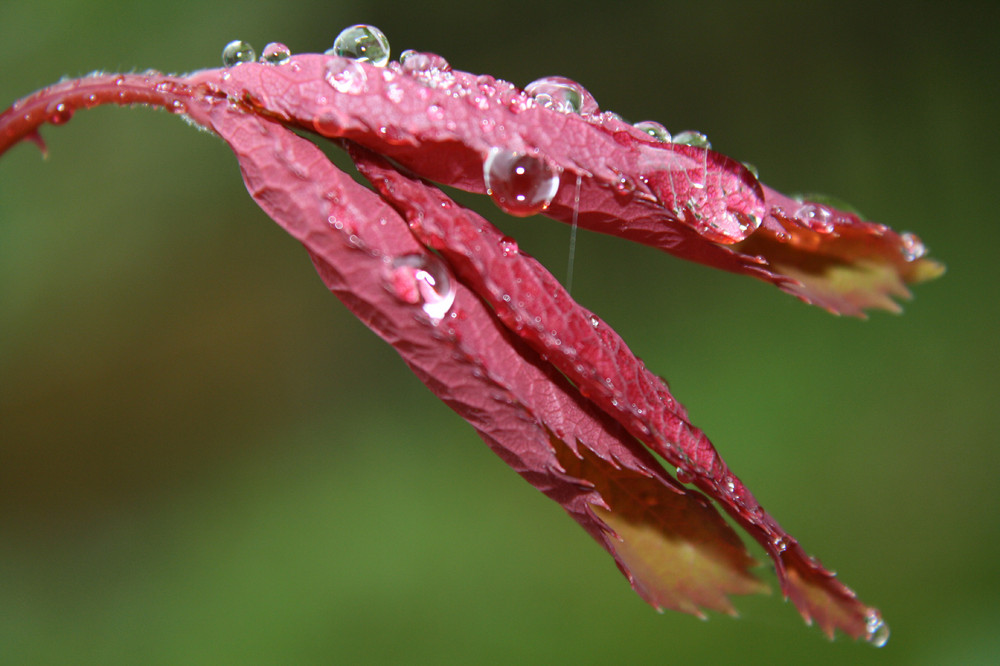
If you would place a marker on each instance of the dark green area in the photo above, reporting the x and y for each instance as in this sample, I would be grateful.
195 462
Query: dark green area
205 459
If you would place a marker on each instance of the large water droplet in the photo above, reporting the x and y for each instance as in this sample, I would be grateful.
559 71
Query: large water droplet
561 94
654 129
692 138
422 280
876 631
362 42
237 52
519 183
276 53
346 76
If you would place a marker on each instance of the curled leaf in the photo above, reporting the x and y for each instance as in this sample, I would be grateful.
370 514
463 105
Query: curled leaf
549 387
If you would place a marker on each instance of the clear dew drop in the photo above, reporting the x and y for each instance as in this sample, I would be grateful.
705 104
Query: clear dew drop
276 53
237 52
876 630
692 138
654 129
684 476
509 248
422 280
364 43
913 247
827 200
519 183
561 94
346 76
816 216
59 113
752 169
416 61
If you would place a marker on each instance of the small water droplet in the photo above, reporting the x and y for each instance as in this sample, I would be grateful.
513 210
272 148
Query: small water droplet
394 93
561 94
59 113
876 630
684 476
780 544
520 184
509 247
752 169
422 280
623 183
435 113
237 52
594 321
417 61
913 247
827 200
692 138
365 43
346 76
816 216
276 53
654 129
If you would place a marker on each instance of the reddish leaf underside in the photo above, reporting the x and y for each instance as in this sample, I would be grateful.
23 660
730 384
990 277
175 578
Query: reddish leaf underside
551 388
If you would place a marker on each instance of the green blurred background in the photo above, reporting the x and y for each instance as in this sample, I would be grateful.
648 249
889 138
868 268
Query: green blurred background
205 459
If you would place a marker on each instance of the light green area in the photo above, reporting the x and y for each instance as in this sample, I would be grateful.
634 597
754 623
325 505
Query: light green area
204 459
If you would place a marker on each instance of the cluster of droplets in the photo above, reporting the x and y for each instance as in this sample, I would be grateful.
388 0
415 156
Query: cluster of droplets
238 52
423 280
519 183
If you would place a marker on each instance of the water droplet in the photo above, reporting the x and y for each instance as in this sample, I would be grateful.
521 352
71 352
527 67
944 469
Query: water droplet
561 94
416 61
435 113
829 201
816 216
237 52
780 544
692 138
276 53
365 43
913 247
595 322
520 184
623 183
59 113
346 76
752 169
394 93
422 280
654 129
684 476
876 630
509 247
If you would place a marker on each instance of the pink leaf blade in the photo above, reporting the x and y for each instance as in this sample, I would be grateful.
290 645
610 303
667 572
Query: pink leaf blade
691 202
597 473
535 306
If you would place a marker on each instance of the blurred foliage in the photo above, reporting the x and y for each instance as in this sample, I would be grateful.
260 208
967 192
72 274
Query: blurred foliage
205 459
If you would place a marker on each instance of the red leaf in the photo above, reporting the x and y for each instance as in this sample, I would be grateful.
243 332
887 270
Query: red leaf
551 388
